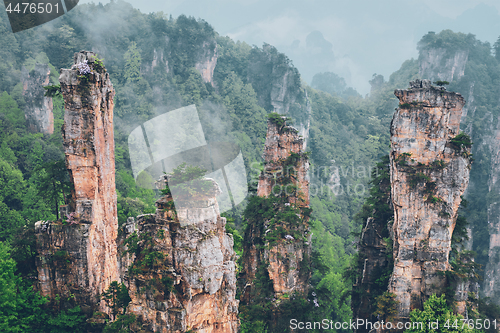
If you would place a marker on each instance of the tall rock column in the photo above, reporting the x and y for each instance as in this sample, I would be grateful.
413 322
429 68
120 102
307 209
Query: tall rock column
86 242
277 238
429 165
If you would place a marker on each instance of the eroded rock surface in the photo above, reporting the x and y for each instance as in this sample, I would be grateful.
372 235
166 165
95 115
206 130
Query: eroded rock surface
438 64
286 258
191 285
38 108
86 243
428 176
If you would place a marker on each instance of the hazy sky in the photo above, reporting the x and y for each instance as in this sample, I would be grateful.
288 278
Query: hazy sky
354 39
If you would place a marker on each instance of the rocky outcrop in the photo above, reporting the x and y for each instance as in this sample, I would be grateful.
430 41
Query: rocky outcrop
85 243
207 62
429 173
38 108
437 64
181 278
280 249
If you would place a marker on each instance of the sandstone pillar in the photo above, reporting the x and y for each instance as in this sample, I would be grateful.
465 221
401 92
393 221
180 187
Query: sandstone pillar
428 176
87 240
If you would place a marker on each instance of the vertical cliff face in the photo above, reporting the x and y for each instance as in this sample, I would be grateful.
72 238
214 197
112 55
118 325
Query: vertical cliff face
437 64
207 62
38 108
429 172
86 245
278 242
278 86
491 285
181 278
205 59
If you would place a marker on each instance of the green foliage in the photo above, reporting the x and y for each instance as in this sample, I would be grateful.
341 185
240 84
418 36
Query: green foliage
436 309
146 256
61 260
237 238
54 184
386 306
433 199
376 209
460 141
402 159
52 91
446 39
188 181
23 310
441 83
277 119
122 324
417 178
438 164
117 297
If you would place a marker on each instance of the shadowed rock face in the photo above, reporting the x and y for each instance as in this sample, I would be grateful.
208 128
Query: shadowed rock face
38 108
491 284
428 176
286 259
89 242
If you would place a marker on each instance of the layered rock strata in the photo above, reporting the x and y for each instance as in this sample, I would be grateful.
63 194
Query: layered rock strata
38 107
429 174
86 242
181 278
284 176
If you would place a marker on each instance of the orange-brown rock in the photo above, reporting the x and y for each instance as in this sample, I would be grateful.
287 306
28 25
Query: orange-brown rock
286 258
207 62
192 283
88 241
428 176
281 141
38 107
